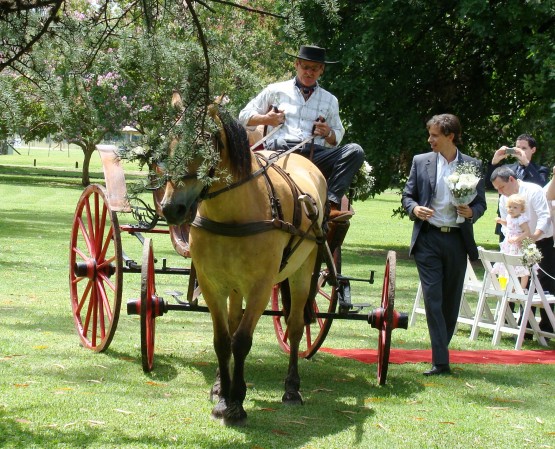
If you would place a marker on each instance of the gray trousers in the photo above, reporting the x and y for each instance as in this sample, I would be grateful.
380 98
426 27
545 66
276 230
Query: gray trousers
441 261
338 164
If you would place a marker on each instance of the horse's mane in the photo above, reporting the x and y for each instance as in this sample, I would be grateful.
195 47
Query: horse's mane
237 145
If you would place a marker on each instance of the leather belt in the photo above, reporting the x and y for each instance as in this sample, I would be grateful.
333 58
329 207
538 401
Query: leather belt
430 227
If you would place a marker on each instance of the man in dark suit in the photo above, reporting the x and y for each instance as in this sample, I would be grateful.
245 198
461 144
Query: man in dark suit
522 165
439 244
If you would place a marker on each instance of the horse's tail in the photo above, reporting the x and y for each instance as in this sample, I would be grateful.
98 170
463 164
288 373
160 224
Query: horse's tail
285 297
309 314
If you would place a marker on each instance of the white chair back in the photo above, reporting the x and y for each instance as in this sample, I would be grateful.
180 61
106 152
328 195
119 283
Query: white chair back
491 293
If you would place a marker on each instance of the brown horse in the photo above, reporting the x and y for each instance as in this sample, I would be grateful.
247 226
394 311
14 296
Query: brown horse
246 236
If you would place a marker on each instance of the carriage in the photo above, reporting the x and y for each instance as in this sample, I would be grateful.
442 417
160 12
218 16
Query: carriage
97 263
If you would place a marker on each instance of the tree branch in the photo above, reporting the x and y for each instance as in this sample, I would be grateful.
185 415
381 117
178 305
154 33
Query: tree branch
206 58
246 8
27 47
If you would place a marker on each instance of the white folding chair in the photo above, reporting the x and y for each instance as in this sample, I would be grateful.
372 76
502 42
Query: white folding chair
471 285
491 293
515 294
416 308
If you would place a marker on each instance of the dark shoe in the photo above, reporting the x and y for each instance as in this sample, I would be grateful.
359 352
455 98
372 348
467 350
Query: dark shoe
438 369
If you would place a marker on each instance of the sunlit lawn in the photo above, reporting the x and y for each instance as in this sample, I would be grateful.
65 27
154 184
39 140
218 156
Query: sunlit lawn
54 393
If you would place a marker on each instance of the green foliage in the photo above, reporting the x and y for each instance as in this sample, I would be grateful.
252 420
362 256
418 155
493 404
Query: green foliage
490 63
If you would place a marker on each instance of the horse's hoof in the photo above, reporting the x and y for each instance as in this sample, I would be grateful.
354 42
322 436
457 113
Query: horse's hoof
235 415
219 409
292 398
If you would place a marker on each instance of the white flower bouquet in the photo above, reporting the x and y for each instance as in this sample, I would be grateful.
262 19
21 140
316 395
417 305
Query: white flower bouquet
531 255
462 184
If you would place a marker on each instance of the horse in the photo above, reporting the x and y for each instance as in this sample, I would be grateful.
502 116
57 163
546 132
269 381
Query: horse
246 236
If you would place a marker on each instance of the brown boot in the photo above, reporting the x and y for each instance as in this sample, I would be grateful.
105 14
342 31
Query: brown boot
336 214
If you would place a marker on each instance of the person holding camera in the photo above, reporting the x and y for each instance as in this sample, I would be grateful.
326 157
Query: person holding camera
519 159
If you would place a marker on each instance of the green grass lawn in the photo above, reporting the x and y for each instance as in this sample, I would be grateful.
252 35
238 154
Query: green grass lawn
56 394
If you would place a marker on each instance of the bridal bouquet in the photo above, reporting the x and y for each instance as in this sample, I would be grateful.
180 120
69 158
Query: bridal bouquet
462 184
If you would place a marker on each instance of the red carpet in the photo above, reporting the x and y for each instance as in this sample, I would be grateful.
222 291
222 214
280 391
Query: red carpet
500 357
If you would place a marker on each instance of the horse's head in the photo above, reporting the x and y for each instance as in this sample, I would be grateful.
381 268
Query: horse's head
224 152
181 197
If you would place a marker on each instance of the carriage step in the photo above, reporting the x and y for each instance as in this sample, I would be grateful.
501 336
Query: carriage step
349 308
176 294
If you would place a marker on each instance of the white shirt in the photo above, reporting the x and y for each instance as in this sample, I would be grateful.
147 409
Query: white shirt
300 114
445 213
536 208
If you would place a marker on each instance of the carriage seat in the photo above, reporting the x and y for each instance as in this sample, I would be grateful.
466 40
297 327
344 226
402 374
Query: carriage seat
114 178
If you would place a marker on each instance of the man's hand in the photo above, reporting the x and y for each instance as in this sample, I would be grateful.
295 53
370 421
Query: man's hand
321 128
520 155
464 211
500 154
423 213
274 118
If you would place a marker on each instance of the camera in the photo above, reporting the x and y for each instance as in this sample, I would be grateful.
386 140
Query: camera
510 151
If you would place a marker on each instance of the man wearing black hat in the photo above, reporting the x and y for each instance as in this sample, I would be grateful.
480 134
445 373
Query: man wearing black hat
305 109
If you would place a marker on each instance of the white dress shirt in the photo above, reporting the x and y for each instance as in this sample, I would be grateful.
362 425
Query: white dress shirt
300 114
445 213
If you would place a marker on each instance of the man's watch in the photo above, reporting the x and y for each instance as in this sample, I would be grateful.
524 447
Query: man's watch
329 134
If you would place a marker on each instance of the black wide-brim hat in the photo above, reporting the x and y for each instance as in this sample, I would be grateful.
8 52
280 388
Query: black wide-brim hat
313 53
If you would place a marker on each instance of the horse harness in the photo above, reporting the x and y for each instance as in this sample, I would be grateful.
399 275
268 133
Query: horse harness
276 222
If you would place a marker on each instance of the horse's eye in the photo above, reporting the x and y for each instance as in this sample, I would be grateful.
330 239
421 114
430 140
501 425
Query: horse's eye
156 182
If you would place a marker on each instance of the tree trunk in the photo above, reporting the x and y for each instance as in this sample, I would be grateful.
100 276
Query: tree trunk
88 150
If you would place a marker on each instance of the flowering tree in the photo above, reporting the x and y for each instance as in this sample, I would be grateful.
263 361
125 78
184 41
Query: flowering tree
106 64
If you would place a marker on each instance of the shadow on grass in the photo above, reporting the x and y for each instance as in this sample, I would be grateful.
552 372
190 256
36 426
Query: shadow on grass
24 176
27 224
336 397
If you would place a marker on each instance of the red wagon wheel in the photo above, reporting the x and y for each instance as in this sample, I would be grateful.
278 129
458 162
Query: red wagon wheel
315 333
95 269
150 306
386 323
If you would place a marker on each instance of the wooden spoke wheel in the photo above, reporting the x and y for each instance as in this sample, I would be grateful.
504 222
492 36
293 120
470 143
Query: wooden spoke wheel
385 323
315 333
150 306
95 269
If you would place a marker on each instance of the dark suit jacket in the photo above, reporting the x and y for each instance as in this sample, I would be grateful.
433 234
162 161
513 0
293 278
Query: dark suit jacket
420 189
538 174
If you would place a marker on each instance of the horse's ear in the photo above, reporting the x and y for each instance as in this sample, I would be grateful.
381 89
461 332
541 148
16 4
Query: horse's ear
177 101
221 100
